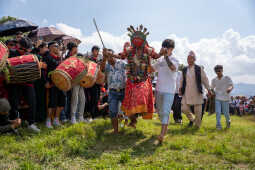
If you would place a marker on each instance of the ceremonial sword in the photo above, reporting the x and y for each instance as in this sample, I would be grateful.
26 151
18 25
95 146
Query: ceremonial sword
94 20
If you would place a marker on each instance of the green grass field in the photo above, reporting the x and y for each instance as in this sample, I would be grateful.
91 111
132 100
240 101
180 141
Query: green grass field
93 146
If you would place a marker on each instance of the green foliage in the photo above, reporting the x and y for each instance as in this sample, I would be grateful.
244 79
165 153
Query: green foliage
94 146
7 18
3 20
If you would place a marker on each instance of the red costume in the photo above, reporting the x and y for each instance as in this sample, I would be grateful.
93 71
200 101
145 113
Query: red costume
138 93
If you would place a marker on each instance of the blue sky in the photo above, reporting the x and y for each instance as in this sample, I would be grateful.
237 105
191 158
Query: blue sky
194 19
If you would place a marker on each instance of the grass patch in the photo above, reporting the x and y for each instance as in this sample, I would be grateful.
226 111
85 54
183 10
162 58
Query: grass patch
93 146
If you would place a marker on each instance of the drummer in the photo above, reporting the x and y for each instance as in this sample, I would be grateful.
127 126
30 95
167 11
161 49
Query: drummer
15 91
56 97
93 94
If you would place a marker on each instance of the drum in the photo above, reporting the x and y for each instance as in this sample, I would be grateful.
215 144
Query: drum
22 69
90 78
100 78
4 53
69 73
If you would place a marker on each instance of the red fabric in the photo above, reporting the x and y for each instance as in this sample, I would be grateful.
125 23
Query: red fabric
92 69
21 60
55 56
21 52
138 98
73 66
3 51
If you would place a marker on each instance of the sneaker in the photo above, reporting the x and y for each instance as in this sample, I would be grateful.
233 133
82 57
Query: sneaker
228 124
81 119
65 120
56 122
90 120
73 120
87 120
48 124
34 128
218 128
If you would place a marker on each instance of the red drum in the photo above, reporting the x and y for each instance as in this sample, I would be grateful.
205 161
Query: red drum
90 78
22 69
4 53
69 73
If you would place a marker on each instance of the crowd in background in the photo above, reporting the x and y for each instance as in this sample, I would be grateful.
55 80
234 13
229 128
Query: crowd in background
241 105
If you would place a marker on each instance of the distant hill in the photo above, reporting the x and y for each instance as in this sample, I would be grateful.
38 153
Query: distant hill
244 89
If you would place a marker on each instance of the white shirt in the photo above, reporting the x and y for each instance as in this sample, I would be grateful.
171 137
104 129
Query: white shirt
220 87
166 81
178 81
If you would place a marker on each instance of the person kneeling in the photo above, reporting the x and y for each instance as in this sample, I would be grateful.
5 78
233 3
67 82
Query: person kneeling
7 125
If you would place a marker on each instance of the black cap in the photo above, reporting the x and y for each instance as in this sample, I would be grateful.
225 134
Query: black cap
19 32
10 40
52 43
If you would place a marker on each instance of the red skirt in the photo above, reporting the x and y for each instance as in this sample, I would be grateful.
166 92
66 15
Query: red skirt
138 99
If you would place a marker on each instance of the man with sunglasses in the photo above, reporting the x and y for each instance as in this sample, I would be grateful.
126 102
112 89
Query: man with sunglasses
222 86
16 91
56 97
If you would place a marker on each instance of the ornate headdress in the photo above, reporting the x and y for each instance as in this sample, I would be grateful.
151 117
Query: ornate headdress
138 36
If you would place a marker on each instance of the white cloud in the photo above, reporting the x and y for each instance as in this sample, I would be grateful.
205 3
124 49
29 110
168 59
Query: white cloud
76 32
235 53
44 21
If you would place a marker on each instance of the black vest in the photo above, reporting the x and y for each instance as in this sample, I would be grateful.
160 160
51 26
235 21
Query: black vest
198 79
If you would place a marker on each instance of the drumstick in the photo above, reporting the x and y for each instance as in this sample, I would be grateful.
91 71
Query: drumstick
94 20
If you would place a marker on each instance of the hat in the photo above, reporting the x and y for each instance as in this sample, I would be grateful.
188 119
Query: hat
52 43
10 40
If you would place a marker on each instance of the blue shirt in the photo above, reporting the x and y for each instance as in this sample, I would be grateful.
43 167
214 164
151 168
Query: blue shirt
116 76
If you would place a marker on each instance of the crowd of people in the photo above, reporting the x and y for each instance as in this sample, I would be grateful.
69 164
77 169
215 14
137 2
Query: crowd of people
242 105
127 92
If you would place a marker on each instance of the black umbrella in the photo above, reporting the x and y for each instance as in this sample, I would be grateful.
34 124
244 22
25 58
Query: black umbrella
12 27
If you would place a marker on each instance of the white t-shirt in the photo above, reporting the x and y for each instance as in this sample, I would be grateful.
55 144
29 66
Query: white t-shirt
220 87
166 81
178 81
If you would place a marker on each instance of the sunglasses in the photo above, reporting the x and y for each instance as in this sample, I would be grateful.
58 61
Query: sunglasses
11 44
